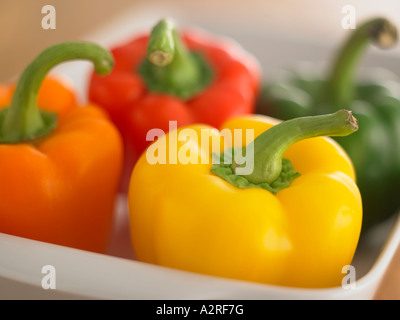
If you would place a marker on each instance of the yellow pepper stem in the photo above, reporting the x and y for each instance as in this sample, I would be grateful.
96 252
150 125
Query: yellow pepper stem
270 146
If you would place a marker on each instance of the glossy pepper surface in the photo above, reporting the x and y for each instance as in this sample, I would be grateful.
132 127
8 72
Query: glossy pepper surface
189 78
60 162
374 149
294 220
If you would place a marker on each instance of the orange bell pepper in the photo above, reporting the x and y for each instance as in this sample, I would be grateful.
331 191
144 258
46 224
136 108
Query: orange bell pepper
60 163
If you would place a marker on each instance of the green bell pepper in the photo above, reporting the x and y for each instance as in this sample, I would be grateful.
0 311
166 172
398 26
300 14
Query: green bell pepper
375 147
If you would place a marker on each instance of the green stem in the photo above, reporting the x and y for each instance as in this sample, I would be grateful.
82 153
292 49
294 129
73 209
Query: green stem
270 146
161 46
170 67
340 84
22 120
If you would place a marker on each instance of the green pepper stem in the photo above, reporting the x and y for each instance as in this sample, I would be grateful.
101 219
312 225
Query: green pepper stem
23 121
270 146
172 68
340 84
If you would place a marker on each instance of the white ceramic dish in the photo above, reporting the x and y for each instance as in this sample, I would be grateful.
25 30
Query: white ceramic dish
116 275
86 275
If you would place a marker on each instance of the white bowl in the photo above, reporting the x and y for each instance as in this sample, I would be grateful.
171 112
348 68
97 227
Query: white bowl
116 275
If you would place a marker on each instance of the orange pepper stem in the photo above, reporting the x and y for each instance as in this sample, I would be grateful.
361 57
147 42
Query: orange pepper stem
270 146
22 120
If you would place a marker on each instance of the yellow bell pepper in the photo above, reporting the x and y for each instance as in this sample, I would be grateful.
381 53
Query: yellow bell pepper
293 222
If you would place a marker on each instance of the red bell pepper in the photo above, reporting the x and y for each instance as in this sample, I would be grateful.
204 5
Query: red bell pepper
164 76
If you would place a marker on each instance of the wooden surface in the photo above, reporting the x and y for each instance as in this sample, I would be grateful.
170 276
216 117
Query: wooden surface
390 286
22 37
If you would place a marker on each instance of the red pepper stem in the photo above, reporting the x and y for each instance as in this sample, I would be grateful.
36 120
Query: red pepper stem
270 146
170 67
340 84
161 46
165 47
22 120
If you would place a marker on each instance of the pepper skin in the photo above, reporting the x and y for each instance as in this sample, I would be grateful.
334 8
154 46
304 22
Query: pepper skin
59 187
300 236
374 149
140 97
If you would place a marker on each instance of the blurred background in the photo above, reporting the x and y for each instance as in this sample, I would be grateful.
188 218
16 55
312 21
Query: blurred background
263 27
22 36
